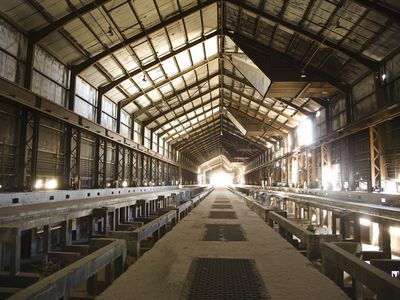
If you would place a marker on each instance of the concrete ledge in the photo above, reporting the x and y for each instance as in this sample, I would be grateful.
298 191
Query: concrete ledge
309 239
335 260
66 258
82 249
60 284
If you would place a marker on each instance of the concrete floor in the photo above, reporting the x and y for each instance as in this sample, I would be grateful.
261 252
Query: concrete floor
162 272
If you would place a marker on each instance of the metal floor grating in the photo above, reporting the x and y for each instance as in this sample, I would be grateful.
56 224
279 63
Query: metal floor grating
221 206
222 215
221 198
220 278
224 232
222 201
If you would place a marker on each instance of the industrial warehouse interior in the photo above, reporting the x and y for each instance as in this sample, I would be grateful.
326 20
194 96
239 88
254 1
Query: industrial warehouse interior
200 149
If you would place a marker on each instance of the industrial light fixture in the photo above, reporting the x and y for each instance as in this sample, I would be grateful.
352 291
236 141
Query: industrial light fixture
124 183
302 75
110 32
383 77
39 184
50 184
318 113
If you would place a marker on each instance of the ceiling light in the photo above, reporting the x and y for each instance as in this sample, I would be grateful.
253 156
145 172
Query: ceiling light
110 32
318 114
383 77
303 75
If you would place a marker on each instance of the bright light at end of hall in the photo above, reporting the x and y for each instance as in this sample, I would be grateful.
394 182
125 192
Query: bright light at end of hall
222 179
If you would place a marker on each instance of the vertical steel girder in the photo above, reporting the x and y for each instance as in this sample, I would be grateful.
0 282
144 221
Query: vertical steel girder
159 173
325 157
166 177
120 166
139 168
73 157
29 137
101 161
376 157
310 164
154 169
145 169
133 179
302 168
289 171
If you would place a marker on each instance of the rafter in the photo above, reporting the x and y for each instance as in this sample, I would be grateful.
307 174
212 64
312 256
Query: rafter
391 14
296 107
171 109
183 113
234 131
203 134
177 141
203 143
246 43
228 129
259 103
53 26
273 129
177 17
370 64
188 120
166 81
104 89
173 96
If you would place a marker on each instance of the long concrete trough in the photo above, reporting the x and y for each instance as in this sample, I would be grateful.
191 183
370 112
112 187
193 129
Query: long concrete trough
335 260
62 283
152 229
310 240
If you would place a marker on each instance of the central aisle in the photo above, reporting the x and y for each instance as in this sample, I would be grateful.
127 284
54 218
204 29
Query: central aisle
245 261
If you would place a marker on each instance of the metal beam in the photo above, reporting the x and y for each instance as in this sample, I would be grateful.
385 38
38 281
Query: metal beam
114 83
277 131
389 13
188 111
259 103
321 102
202 143
188 120
245 44
167 80
42 33
180 16
48 108
204 133
177 141
187 88
370 64
208 78
296 107
196 133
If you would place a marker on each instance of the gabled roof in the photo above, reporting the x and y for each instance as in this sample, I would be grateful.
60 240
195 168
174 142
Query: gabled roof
170 63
